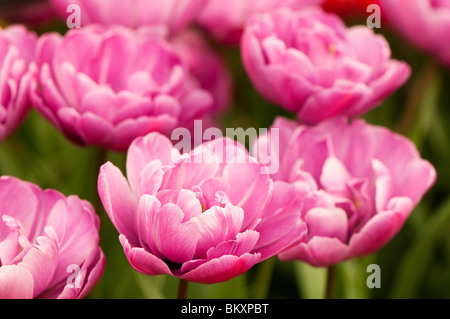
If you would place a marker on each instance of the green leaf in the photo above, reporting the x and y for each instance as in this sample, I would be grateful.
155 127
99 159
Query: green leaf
419 255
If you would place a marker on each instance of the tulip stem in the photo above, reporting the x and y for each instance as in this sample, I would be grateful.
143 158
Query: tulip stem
102 155
331 282
183 289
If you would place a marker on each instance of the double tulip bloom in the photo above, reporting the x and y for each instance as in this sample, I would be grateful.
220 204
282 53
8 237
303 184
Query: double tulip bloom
105 86
358 184
17 47
310 63
49 243
205 216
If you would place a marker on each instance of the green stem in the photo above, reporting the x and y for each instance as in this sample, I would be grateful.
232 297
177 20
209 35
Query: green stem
183 289
331 282
102 155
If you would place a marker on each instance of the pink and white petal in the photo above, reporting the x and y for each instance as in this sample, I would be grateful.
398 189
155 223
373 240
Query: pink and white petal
421 176
173 239
329 102
150 179
69 123
95 129
143 261
185 199
221 269
281 224
189 172
327 222
94 274
16 282
89 275
42 261
384 185
217 225
9 246
381 228
334 177
148 205
25 212
244 243
143 150
319 252
130 129
249 188
118 200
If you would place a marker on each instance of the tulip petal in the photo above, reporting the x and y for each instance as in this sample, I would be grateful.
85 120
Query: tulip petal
118 200
381 228
144 150
143 261
221 269
16 282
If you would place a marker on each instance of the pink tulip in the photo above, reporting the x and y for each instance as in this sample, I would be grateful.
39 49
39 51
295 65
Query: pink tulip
49 243
359 184
205 216
105 86
17 47
425 23
308 62
172 14
225 20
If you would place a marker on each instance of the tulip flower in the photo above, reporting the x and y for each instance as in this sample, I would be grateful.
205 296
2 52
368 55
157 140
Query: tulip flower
105 86
17 46
310 63
49 243
173 15
226 20
423 22
205 216
359 184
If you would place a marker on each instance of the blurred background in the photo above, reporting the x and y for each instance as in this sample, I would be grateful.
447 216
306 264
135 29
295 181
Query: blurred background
415 264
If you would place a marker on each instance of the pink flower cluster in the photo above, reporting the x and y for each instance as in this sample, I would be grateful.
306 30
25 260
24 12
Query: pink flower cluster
134 72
